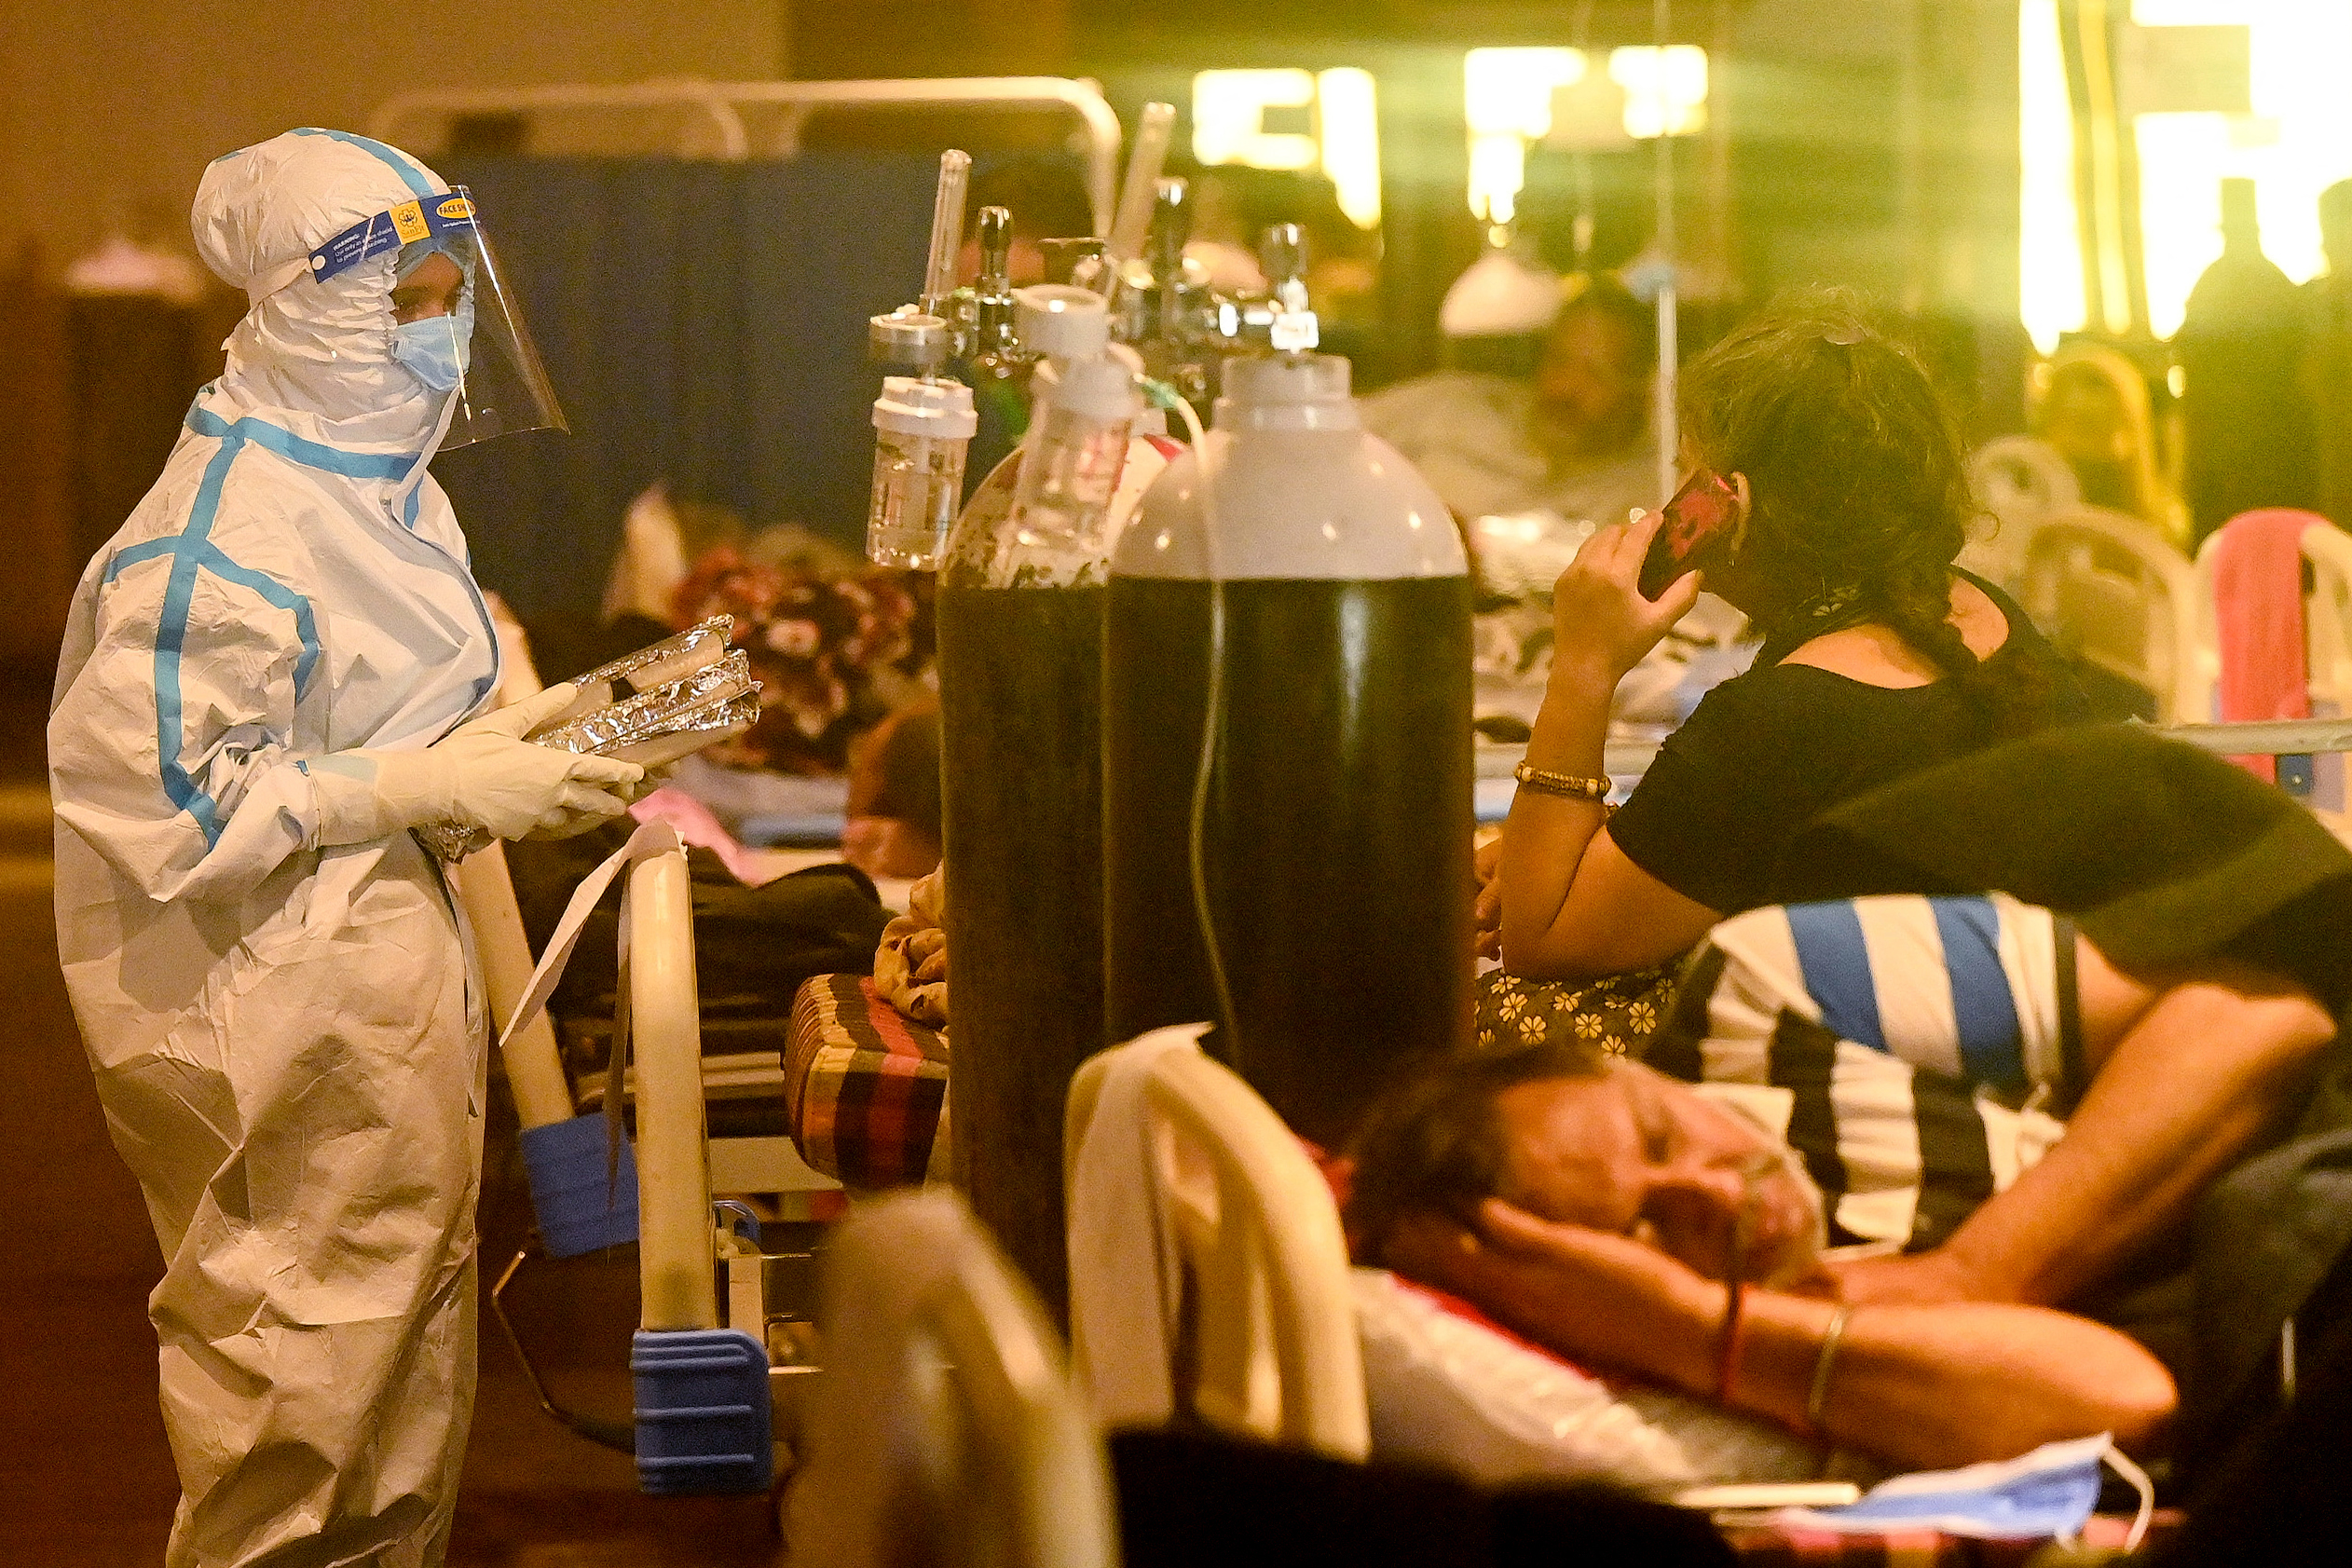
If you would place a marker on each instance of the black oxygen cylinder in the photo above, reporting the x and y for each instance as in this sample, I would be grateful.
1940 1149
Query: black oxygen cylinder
1336 821
1021 619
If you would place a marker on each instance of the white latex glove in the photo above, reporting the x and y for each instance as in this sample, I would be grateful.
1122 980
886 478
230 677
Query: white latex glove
650 780
481 775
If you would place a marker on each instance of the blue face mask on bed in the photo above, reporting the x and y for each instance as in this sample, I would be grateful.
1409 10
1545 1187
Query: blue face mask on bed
2049 1492
434 349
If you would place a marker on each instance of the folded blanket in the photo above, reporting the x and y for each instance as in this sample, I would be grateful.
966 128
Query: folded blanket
2162 854
865 1089
911 967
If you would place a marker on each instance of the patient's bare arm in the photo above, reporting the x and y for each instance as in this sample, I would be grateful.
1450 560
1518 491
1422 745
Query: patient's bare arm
2189 1072
1924 1385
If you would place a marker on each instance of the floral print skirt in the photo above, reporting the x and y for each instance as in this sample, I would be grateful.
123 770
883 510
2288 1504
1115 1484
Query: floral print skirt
1618 1013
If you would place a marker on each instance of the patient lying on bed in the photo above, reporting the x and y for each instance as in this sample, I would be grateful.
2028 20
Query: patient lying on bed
1903 1088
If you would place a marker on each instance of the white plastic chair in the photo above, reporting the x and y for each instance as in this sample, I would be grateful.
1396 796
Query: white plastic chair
944 1430
2109 588
2328 617
2020 481
1194 1208
2327 557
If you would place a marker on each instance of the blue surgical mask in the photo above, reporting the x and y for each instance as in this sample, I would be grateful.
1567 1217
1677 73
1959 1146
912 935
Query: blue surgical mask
435 349
2048 1491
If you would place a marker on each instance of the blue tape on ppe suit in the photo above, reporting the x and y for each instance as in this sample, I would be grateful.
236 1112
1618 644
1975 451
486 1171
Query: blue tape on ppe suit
193 552
399 162
581 1205
705 1421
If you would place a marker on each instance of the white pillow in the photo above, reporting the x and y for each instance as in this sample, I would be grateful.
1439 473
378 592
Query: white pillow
1450 1392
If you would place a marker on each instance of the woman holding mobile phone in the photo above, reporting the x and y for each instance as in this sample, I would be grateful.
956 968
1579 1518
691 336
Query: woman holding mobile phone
1826 499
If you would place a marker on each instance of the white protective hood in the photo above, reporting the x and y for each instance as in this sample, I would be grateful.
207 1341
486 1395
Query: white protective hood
316 355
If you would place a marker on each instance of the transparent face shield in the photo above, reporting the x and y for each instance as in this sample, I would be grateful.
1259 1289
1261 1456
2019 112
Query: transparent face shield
462 335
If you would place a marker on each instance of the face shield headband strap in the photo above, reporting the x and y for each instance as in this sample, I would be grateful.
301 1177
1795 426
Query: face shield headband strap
420 219
429 218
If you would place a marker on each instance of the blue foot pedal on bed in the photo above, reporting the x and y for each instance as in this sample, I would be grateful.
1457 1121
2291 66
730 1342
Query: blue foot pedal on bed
704 1421
583 1201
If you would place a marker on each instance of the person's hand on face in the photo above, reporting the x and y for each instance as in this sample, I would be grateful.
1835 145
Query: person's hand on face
1518 1263
1601 625
1590 1295
1638 1156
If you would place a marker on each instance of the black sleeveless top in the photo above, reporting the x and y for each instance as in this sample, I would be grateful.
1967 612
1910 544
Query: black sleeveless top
1768 751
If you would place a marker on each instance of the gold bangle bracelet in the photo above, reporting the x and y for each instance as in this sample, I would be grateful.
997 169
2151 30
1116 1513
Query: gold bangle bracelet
1569 787
1818 1397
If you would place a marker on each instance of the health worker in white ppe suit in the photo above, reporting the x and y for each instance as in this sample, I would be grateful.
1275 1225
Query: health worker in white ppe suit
272 673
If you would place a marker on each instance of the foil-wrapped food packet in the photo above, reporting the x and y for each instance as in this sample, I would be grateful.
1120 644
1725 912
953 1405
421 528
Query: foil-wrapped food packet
707 704
651 707
649 669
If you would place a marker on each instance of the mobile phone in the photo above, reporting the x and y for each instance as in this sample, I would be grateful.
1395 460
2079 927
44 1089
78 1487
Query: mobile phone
1700 509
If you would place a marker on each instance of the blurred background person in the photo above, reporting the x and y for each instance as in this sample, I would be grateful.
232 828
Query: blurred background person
1574 439
2328 356
2241 339
2095 411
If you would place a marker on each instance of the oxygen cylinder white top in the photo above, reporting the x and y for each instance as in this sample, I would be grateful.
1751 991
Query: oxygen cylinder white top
1062 321
1300 491
941 410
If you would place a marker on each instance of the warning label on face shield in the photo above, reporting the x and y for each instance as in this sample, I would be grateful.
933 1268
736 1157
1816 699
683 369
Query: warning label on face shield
404 224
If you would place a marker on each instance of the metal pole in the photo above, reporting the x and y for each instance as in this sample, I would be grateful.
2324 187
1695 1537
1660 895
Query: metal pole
1669 437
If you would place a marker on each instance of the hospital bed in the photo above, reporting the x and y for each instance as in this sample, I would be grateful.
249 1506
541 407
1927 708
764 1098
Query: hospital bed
950 1430
735 121
705 1416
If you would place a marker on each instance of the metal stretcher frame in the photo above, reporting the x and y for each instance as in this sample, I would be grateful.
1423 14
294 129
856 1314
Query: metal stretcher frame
2278 737
677 1273
721 105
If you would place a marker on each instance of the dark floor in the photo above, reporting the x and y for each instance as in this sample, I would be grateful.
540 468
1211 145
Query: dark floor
86 1481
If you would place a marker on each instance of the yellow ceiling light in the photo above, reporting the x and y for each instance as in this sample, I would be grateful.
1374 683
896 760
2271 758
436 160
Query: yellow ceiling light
1347 129
1507 103
1229 110
2051 298
1508 91
1497 174
1665 89
1229 118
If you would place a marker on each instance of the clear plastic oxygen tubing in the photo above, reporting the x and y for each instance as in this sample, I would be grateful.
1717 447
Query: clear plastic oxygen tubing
947 228
1197 826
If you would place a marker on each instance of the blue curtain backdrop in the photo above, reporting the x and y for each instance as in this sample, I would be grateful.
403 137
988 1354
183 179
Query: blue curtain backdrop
704 324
